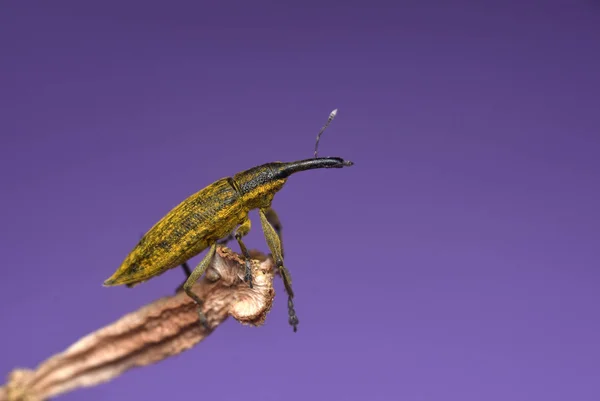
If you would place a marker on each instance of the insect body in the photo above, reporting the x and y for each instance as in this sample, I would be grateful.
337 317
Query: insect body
212 214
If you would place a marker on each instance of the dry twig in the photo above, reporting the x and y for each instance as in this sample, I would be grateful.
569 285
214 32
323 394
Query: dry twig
166 327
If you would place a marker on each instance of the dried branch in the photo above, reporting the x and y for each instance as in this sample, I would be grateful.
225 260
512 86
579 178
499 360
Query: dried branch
166 327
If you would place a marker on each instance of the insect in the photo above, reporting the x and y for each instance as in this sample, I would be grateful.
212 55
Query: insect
214 215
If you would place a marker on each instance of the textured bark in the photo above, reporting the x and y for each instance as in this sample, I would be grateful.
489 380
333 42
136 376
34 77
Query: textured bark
166 327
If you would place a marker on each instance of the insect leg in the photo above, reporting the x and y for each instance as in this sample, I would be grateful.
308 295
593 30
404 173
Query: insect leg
187 271
194 276
276 223
275 246
241 231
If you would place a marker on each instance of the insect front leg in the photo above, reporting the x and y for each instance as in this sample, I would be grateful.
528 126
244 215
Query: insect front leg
194 276
273 219
275 246
242 231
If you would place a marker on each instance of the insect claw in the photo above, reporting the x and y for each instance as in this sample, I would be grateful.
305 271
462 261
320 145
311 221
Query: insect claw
203 320
293 319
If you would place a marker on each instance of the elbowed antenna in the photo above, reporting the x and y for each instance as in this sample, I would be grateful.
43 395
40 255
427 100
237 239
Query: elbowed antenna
329 120
284 170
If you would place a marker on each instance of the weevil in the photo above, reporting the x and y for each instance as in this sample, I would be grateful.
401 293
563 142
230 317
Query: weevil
214 215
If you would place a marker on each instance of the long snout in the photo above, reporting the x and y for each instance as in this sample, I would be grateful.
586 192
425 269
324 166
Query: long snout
288 169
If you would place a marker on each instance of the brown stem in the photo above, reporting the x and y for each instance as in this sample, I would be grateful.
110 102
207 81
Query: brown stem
166 327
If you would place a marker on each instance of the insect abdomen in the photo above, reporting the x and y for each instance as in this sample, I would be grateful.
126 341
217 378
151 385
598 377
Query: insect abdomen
201 219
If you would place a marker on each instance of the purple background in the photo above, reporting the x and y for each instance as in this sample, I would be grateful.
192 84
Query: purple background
457 260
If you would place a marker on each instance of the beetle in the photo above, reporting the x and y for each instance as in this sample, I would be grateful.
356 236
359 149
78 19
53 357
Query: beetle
214 215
